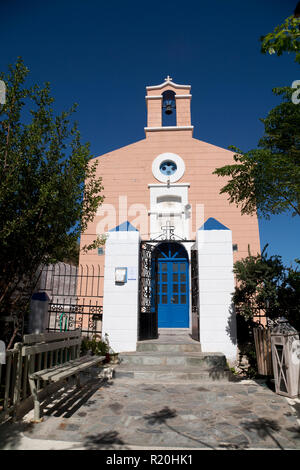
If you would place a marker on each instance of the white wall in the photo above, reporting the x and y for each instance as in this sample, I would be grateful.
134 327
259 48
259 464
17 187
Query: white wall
216 285
120 302
181 221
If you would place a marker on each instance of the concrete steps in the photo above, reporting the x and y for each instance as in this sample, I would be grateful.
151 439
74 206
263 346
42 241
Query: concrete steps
164 374
166 347
173 357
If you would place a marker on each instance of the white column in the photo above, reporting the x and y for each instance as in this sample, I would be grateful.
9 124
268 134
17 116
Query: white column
216 285
120 301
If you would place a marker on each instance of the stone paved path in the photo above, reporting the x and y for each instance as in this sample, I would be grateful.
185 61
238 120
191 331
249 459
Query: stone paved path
121 414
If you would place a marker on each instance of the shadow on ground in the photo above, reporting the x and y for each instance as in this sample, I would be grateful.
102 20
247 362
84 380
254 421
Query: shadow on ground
219 373
162 416
246 432
109 440
68 401
63 403
11 433
264 429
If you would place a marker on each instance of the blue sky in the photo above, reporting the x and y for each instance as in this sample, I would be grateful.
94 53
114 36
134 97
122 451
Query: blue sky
102 55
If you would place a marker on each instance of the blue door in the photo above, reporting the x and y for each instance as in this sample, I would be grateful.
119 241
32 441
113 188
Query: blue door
173 287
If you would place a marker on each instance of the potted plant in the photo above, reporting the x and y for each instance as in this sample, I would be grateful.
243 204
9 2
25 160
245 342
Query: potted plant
111 356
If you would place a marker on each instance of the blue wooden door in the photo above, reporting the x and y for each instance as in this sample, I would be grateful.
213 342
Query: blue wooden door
172 290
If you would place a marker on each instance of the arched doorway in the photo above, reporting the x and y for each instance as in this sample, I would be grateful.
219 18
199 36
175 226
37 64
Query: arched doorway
172 289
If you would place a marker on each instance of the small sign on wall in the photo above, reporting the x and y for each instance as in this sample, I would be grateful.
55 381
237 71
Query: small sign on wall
120 275
132 273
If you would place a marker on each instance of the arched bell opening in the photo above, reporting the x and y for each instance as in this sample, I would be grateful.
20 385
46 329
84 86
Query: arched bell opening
168 108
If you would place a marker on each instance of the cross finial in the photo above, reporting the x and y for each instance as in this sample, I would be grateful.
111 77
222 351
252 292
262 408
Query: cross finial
168 79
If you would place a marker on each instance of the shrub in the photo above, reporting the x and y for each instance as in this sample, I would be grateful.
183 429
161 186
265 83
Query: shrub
96 346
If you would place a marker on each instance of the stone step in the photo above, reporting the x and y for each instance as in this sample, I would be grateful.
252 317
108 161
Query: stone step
174 331
168 347
171 374
173 358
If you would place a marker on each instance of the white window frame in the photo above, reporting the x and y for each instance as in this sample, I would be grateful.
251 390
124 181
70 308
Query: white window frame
165 178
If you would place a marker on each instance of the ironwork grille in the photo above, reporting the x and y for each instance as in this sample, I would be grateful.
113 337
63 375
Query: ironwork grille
195 294
147 293
76 297
66 316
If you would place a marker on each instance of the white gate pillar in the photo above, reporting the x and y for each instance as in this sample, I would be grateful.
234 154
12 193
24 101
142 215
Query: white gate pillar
216 286
120 300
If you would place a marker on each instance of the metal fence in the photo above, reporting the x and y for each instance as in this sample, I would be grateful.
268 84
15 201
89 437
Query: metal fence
67 316
76 301
76 297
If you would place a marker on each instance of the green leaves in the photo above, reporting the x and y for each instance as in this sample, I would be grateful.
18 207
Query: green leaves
266 286
268 178
96 346
284 38
44 201
240 187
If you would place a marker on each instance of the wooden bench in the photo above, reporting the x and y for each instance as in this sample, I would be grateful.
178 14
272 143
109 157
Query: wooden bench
54 357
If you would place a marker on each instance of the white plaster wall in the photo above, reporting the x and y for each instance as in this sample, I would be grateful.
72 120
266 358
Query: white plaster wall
182 220
188 247
120 302
216 285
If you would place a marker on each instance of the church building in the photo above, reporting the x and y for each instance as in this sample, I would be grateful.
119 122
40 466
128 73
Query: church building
171 237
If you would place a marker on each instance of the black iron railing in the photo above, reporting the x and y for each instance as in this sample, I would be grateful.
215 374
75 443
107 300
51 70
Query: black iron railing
76 297
67 316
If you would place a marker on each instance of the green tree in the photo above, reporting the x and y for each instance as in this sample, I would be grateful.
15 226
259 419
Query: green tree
258 279
289 296
268 178
73 257
264 287
49 190
284 38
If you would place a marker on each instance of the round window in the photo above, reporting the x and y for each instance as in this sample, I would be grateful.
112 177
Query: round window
168 167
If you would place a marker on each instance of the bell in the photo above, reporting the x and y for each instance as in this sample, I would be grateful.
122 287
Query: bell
169 107
169 102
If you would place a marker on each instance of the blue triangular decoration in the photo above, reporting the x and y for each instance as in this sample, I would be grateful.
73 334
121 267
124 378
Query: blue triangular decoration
124 227
213 224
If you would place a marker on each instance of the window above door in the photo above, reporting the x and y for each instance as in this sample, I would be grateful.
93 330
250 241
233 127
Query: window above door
168 167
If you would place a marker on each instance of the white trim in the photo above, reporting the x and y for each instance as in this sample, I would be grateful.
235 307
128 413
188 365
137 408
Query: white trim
167 82
165 178
174 185
156 97
165 213
183 96
169 128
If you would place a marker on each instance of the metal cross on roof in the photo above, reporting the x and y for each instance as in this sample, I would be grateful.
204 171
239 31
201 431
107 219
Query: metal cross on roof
168 79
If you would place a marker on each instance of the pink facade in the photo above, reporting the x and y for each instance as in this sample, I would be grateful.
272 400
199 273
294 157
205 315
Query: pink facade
127 174
162 191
